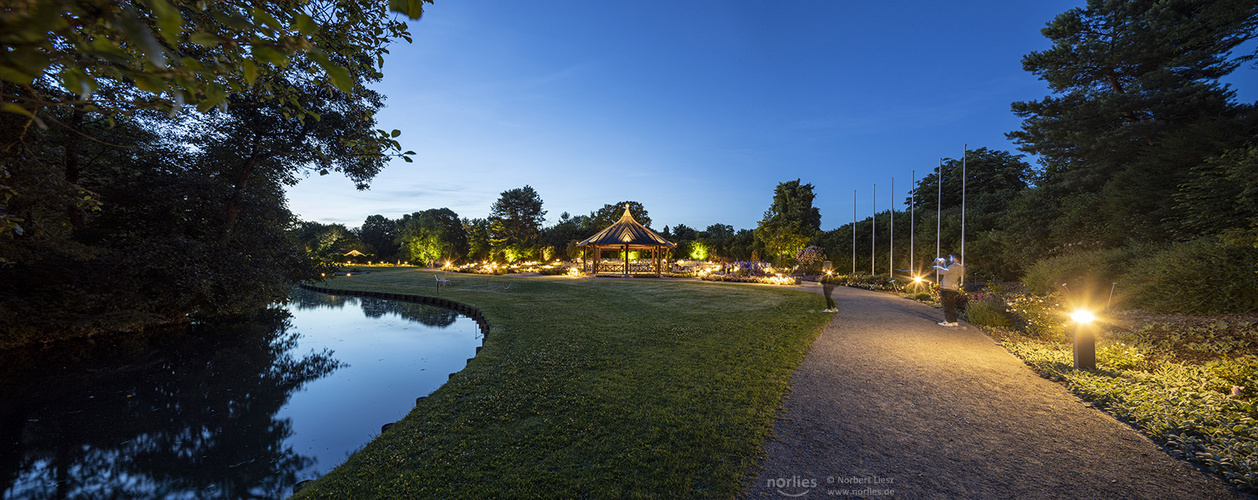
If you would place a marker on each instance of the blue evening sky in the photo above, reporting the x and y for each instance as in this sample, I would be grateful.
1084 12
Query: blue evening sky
697 109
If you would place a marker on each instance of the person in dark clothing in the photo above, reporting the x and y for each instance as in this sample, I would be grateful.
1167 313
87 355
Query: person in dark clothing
827 286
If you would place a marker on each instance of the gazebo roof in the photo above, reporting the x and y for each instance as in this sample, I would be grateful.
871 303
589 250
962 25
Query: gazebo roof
627 231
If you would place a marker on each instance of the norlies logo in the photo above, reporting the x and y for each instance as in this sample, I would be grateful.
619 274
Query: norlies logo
795 486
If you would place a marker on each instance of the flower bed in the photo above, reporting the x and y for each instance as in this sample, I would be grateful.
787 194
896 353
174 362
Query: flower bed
767 280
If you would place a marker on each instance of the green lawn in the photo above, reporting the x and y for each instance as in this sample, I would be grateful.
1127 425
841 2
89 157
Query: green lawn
591 388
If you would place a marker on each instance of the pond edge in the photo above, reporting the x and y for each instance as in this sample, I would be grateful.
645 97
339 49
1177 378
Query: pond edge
461 308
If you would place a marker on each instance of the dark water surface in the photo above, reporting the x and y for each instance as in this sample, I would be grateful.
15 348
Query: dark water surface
242 410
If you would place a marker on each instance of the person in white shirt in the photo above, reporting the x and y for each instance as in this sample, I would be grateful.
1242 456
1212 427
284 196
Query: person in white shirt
950 277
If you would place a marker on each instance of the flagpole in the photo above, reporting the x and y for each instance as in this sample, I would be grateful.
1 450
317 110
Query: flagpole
873 229
853 231
965 149
938 214
891 250
913 224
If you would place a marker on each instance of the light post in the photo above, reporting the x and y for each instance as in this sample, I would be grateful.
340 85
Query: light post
1085 341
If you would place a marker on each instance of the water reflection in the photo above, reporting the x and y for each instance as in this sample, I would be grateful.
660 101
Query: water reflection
376 308
161 416
233 410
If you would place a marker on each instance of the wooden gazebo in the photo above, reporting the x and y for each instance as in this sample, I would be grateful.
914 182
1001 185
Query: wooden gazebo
625 235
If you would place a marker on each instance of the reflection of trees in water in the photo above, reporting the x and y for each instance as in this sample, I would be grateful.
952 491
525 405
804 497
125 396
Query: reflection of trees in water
187 414
434 316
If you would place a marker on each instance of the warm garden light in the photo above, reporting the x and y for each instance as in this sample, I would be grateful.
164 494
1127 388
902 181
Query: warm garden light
1085 340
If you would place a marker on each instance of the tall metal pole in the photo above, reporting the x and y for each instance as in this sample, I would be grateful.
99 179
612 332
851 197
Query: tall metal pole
853 231
938 213
964 152
873 229
913 224
891 250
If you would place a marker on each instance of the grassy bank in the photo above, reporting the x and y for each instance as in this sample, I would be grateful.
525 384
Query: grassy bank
591 388
1189 383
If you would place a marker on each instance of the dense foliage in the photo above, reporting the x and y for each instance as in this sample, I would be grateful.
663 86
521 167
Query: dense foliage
1148 169
120 207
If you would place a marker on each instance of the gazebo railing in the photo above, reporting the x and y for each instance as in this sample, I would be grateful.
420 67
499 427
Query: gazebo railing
618 266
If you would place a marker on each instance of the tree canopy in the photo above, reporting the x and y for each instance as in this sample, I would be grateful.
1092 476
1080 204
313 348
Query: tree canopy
1137 101
515 222
611 213
112 57
790 221
145 147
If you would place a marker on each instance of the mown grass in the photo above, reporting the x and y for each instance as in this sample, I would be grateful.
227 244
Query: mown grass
591 388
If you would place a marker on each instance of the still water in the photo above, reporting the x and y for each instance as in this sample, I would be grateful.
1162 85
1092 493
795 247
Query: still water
239 410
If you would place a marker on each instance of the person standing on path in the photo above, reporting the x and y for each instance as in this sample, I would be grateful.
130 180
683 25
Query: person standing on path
827 287
950 287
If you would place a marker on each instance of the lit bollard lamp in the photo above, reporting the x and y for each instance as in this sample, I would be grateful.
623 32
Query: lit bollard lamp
1085 340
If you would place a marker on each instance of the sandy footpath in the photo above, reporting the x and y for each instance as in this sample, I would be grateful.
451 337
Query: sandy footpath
887 404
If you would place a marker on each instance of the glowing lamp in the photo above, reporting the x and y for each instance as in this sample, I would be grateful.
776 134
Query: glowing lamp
1085 340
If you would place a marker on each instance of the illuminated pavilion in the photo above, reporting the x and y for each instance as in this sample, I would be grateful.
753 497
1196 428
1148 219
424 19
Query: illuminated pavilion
624 236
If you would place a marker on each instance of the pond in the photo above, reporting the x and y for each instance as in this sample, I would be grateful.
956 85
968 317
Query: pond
242 409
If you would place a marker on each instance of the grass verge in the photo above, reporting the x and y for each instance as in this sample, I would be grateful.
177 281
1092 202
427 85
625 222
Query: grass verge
591 388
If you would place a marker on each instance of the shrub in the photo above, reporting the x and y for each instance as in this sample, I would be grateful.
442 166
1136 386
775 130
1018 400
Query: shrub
1040 315
1087 273
810 259
990 311
924 297
1204 276
553 270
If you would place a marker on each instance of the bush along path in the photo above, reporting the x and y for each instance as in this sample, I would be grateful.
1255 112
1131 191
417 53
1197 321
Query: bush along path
889 404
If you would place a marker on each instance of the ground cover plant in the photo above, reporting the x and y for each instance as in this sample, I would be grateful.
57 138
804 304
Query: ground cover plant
1189 383
591 388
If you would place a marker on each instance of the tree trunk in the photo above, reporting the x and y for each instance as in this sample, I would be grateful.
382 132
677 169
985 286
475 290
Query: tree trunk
232 211
73 167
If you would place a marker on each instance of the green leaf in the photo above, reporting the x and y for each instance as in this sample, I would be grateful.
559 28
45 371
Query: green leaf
250 69
205 40
139 34
148 83
260 15
410 8
169 20
396 133
14 108
106 49
340 76
305 24
214 94
408 159
234 21
269 54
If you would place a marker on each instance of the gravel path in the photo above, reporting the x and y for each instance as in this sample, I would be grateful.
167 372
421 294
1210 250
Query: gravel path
887 404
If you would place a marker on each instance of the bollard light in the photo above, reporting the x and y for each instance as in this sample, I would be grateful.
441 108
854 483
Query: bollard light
1085 341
